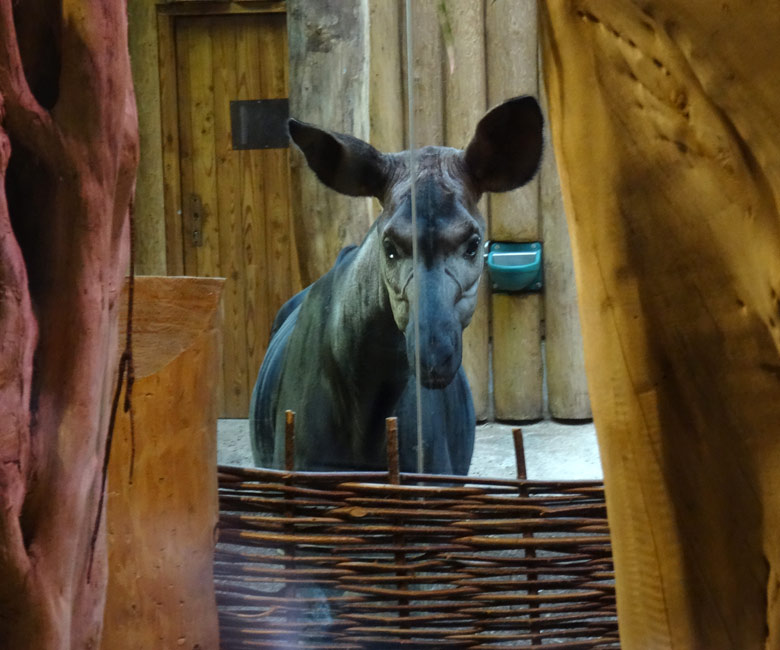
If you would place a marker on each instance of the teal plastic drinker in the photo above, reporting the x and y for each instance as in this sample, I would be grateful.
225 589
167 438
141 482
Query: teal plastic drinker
515 266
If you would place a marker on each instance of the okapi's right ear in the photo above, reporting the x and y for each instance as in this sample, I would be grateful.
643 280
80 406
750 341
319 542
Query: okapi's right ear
342 162
507 146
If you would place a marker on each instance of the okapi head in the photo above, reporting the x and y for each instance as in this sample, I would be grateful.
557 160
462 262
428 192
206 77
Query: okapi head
503 154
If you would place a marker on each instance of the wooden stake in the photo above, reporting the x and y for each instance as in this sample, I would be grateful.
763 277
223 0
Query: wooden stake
289 440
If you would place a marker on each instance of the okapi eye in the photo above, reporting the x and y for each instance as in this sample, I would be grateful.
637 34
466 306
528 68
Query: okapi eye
391 252
472 248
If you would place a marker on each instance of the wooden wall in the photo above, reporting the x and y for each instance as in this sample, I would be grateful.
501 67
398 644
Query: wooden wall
491 56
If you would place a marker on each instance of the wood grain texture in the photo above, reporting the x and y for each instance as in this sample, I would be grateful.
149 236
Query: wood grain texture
427 76
567 383
667 138
283 280
169 131
246 228
327 43
386 83
517 356
150 252
511 46
253 189
511 59
201 66
465 101
161 525
224 84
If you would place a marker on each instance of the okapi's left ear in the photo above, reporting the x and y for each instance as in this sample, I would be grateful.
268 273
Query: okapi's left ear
507 146
342 162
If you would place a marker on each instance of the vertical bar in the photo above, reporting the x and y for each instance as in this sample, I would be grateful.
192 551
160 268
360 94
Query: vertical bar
290 590
391 431
394 478
289 440
522 471
522 474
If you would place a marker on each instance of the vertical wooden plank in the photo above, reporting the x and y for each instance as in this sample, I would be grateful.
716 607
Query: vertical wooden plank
272 45
427 77
386 92
253 188
189 259
517 369
235 368
465 101
330 68
203 145
567 385
169 119
149 203
511 44
514 216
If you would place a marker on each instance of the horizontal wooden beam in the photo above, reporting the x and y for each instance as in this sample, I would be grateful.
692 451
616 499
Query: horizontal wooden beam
211 8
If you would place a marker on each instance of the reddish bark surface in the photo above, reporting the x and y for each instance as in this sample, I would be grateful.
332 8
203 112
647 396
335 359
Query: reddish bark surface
68 154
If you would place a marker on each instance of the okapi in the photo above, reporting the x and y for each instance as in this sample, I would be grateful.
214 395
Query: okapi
342 351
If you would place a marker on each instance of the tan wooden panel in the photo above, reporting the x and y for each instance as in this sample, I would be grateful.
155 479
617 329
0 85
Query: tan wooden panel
198 163
511 44
465 102
567 384
160 526
253 189
386 91
245 194
235 368
183 116
328 59
201 70
171 161
428 82
272 46
517 369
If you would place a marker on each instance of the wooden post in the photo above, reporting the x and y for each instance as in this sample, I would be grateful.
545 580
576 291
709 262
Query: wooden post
514 216
667 136
149 222
464 104
161 525
428 84
386 84
567 384
328 65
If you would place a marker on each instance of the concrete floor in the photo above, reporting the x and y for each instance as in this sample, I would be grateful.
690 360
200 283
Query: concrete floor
553 450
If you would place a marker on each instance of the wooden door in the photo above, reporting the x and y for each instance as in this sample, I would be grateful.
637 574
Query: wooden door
234 217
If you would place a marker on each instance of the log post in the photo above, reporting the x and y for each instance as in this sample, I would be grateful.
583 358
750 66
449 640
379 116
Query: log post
328 41
464 104
514 216
667 136
567 384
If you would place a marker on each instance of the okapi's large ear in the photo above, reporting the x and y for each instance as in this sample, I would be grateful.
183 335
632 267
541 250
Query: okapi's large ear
342 162
507 146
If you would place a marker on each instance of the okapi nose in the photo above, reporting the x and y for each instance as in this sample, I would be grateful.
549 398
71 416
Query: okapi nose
439 352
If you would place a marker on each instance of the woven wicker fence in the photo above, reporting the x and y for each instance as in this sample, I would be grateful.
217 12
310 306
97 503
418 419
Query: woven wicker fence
382 560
